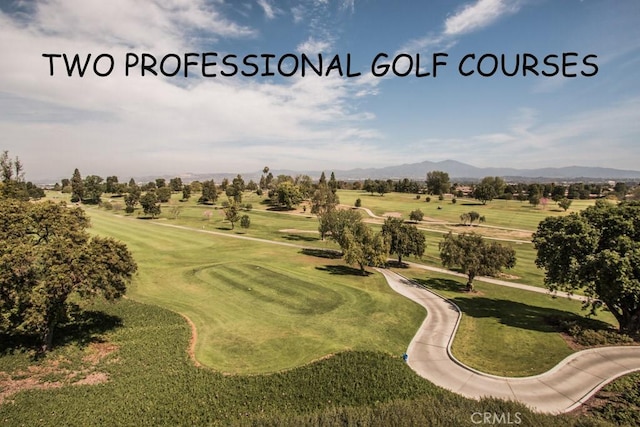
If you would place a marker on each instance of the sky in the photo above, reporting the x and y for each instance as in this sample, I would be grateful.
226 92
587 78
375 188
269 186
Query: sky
141 125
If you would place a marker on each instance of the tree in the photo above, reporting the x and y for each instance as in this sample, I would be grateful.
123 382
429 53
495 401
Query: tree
474 256
438 182
232 213
362 247
133 197
12 185
186 192
404 239
161 182
77 187
209 192
323 199
245 221
416 215
333 184
235 190
150 204
111 185
534 199
488 189
164 194
48 261
288 195
598 251
175 184
470 217
93 189
358 243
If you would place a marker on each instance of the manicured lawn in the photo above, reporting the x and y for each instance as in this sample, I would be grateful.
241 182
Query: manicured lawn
261 307
501 213
505 331
148 380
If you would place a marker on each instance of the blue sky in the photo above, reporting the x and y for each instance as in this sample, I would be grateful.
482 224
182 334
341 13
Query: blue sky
133 126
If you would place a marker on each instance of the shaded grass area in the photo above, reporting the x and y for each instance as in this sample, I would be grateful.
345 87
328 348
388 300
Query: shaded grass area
507 331
261 307
153 382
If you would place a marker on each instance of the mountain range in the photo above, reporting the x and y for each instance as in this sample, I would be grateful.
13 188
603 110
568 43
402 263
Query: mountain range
456 170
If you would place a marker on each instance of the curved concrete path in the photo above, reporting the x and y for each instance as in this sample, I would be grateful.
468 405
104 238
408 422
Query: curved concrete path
561 389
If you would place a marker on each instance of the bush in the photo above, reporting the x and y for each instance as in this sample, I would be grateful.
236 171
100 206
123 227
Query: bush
245 221
427 199
454 201
107 205
358 203
417 197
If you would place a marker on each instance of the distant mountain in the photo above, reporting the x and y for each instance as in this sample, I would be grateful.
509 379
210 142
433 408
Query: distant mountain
456 170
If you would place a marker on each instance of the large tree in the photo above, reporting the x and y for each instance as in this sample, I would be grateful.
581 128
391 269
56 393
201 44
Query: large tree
474 256
404 239
357 241
438 182
209 192
489 188
150 204
598 251
288 195
93 189
47 261
77 187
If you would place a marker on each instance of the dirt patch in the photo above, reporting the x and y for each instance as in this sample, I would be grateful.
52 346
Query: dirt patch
54 374
192 342
392 214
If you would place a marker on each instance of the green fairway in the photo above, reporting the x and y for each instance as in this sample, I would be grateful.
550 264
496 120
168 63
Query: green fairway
500 213
261 307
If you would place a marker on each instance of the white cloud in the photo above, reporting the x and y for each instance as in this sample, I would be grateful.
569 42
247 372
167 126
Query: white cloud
478 15
150 125
313 45
268 9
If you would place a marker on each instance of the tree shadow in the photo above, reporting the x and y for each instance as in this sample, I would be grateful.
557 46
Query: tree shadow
343 270
472 204
439 284
516 314
322 253
299 238
85 328
280 209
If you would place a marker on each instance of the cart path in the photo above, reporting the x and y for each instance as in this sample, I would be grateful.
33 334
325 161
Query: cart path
561 389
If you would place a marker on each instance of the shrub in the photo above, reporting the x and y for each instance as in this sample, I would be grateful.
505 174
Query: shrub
427 199
358 203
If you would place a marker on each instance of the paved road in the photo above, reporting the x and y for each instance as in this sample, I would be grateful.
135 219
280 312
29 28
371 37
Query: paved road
561 389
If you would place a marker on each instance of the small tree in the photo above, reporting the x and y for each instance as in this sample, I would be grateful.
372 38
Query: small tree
475 257
416 215
232 213
186 192
564 203
358 203
245 221
164 194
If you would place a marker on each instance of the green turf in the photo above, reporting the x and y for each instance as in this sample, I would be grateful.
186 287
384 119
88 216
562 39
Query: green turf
152 382
502 213
261 307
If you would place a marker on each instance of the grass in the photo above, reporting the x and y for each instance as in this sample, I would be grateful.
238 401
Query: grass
151 381
506 331
501 213
261 307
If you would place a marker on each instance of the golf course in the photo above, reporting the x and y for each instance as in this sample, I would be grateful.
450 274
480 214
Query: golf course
267 324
